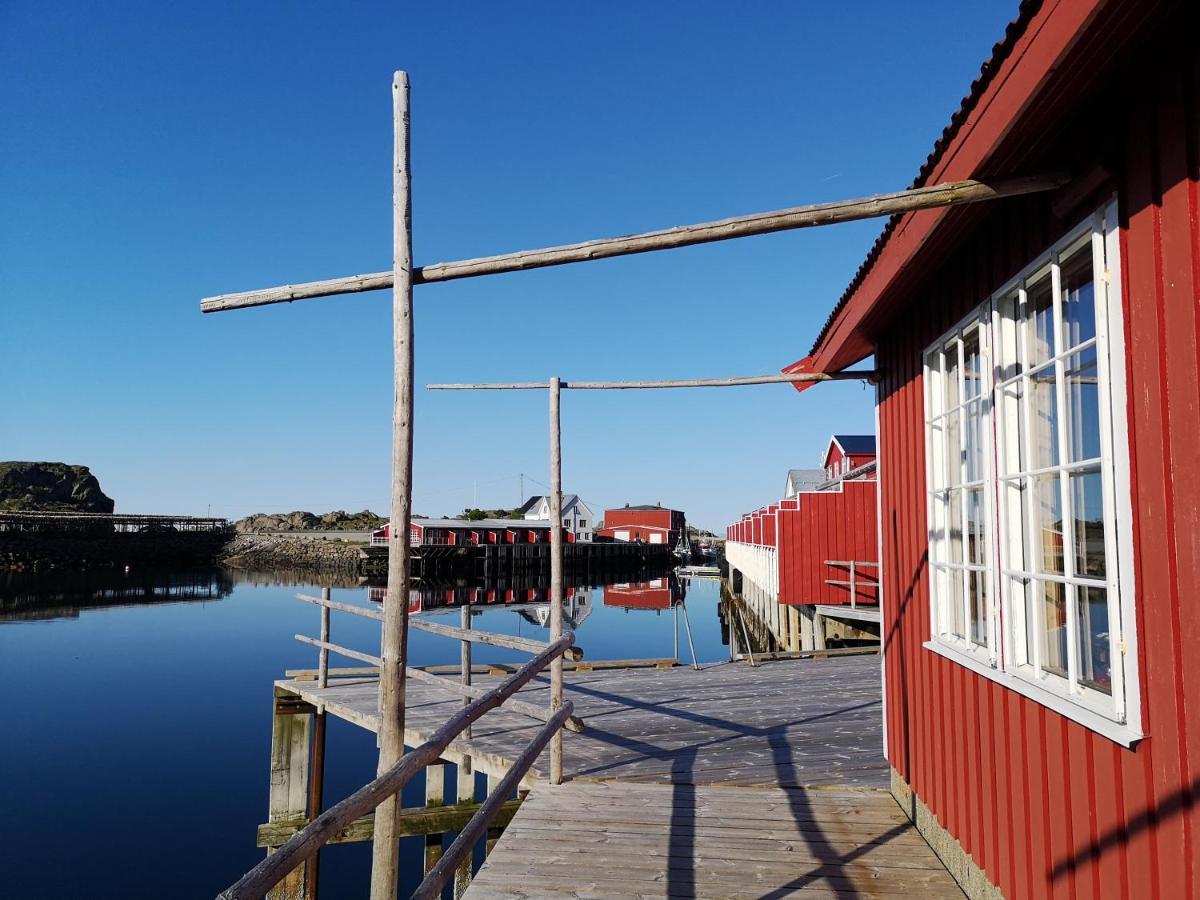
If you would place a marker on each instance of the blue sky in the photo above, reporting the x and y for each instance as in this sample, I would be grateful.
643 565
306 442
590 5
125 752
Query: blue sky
153 154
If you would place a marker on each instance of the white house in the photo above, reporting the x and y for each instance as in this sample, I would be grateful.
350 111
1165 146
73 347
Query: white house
577 518
799 480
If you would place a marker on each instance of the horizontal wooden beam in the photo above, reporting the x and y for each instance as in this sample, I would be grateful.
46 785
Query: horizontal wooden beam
541 713
935 196
410 823
476 636
363 611
341 651
786 378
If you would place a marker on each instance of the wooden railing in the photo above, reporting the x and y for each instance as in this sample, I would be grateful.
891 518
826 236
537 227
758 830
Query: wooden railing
855 580
306 843
309 839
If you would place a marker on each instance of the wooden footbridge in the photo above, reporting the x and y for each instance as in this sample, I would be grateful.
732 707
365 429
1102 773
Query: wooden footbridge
729 780
396 766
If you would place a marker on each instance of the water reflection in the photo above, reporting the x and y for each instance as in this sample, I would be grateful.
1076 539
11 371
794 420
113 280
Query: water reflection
28 596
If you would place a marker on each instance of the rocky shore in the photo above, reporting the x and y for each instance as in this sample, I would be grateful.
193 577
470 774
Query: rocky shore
268 551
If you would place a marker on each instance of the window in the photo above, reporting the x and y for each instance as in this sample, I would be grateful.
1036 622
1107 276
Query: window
1025 412
567 521
583 523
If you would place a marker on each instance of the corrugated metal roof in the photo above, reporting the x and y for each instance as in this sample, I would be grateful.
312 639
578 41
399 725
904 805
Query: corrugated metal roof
987 72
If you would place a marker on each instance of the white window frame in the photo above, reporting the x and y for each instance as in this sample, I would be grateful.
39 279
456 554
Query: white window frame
1117 716
941 482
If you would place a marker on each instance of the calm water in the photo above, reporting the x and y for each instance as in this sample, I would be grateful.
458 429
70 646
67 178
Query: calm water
137 718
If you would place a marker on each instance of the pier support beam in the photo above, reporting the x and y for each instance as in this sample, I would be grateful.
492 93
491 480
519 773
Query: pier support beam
288 799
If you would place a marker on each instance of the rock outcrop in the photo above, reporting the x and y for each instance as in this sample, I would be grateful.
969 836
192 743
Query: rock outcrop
51 486
338 520
266 552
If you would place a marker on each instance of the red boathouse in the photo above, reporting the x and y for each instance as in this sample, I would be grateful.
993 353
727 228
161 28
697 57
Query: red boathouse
1040 507
647 524
816 553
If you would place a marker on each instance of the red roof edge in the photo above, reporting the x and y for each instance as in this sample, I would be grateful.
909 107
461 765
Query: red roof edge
800 367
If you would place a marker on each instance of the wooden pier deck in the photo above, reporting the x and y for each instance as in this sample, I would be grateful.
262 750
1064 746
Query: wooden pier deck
730 781
791 723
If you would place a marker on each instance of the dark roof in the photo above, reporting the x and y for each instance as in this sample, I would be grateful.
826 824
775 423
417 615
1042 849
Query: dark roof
643 507
530 503
856 443
987 72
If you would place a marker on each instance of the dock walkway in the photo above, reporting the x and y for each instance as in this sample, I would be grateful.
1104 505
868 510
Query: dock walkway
730 781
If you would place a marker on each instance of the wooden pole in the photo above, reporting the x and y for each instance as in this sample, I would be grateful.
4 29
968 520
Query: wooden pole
394 650
556 574
316 796
785 378
323 659
953 193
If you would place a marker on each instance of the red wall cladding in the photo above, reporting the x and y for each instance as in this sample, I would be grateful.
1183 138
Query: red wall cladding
828 525
1046 807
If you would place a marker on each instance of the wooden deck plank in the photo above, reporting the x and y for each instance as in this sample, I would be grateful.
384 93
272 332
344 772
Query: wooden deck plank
788 722
619 840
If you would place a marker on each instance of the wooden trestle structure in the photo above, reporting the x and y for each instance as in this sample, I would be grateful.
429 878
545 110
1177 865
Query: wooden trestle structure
395 768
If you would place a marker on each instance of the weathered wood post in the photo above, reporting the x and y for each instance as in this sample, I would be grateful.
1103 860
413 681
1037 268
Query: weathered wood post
394 650
466 773
323 657
289 782
556 573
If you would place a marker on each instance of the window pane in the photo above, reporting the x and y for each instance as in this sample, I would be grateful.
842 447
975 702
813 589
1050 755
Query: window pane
1040 312
1012 409
955 536
972 368
1095 663
1078 297
951 378
1083 405
976 549
955 599
973 451
1087 505
1043 407
1048 516
1008 356
978 605
1054 621
954 454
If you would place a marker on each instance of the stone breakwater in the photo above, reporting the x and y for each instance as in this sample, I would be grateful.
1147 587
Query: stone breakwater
269 551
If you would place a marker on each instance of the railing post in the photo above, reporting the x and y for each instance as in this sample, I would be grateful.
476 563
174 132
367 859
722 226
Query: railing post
853 588
556 574
393 651
323 658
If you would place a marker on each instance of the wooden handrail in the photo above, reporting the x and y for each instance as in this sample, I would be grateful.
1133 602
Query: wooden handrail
308 840
508 641
489 637
344 651
344 607
431 887
541 713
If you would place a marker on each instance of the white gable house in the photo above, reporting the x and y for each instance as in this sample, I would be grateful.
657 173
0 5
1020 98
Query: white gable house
577 517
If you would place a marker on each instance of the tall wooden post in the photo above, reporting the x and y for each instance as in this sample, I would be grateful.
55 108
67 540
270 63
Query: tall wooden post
466 772
394 650
556 573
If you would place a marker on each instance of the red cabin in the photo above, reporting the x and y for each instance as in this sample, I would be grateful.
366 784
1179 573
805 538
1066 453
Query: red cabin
648 524
1037 413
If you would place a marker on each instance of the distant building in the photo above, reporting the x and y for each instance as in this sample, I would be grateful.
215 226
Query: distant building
803 480
648 524
577 517
466 532
847 452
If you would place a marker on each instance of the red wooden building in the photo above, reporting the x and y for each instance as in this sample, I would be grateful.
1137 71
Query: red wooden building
656 594
816 551
1038 408
465 532
648 524
847 452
